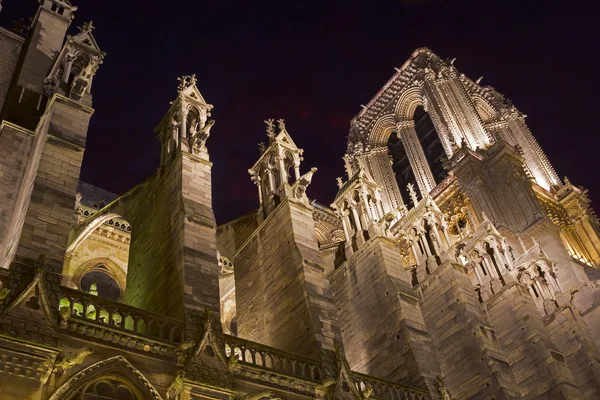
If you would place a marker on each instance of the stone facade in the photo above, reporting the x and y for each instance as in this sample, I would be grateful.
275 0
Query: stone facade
474 277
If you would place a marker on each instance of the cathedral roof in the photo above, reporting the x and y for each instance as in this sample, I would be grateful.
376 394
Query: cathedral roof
93 196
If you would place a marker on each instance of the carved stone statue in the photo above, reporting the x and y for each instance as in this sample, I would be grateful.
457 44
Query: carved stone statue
70 360
367 391
200 137
441 388
84 78
299 188
64 315
263 394
176 385
262 147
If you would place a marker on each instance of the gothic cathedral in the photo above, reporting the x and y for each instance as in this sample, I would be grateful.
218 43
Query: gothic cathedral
453 262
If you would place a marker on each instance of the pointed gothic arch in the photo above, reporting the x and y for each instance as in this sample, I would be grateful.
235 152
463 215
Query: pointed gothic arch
485 111
408 102
381 131
85 229
116 369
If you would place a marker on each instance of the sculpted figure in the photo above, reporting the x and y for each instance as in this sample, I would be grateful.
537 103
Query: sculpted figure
176 386
367 391
299 188
441 388
64 315
200 137
259 395
67 361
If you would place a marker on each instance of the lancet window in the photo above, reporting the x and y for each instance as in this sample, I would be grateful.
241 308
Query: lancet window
416 154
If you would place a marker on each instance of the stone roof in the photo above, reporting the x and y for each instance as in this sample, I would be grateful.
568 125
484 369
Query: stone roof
93 196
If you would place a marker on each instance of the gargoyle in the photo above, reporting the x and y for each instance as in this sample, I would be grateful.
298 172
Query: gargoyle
263 394
202 135
69 360
299 188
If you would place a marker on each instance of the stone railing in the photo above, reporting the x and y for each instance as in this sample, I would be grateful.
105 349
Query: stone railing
387 390
97 310
261 356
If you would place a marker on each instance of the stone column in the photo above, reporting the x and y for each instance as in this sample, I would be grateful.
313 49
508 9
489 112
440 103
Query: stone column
346 233
183 131
356 219
283 172
68 65
271 179
379 165
416 156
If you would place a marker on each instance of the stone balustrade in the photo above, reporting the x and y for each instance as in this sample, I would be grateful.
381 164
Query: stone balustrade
261 356
387 390
90 308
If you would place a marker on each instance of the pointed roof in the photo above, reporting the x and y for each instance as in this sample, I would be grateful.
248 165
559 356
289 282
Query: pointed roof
361 175
381 105
86 37
187 92
284 138
192 92
281 140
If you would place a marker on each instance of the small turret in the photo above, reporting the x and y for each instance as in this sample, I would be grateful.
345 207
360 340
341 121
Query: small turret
186 126
277 171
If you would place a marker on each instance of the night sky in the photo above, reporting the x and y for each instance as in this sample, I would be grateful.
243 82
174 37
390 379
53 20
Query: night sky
313 63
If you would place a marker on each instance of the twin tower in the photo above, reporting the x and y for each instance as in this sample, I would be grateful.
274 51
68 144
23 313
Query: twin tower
452 264
452 259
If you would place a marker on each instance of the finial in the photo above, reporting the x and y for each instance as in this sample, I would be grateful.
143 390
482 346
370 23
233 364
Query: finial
87 27
339 182
478 81
521 243
186 81
262 147
453 61
567 181
270 128
484 217
347 165
412 194
281 124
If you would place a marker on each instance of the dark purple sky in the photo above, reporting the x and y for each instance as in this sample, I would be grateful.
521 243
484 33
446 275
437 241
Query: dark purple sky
313 63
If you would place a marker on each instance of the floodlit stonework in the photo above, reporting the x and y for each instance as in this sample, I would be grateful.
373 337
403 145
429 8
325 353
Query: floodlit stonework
452 264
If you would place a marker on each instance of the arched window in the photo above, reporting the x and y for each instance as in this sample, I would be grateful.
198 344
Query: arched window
99 281
401 167
430 142
107 388
432 148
